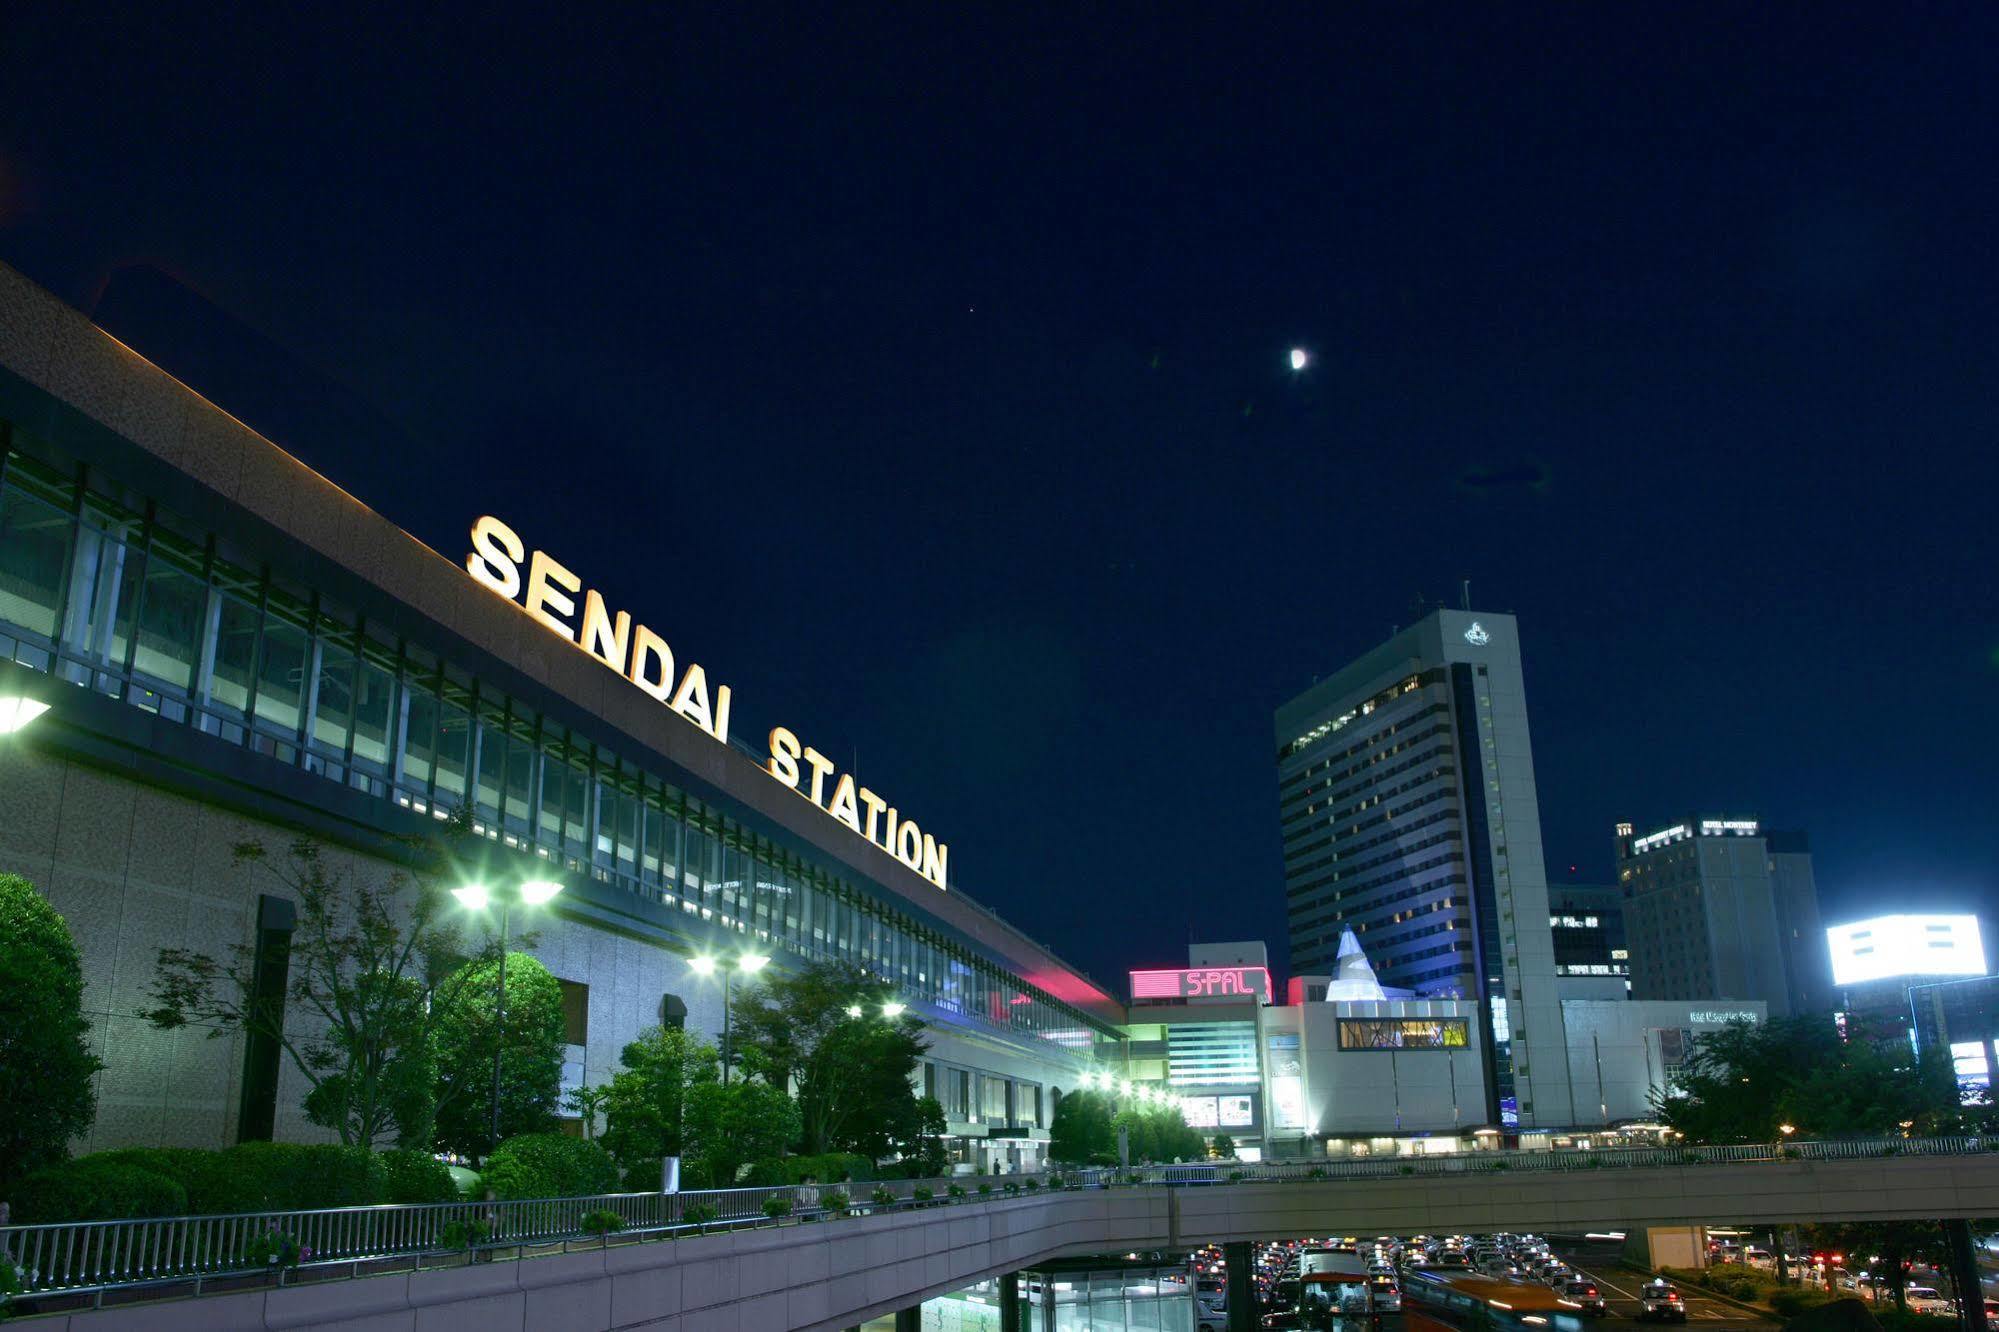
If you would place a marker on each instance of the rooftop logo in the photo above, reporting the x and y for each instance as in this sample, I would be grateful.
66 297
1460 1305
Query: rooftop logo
1476 635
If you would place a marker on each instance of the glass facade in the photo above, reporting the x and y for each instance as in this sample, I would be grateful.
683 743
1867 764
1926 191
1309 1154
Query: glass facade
121 598
1405 1034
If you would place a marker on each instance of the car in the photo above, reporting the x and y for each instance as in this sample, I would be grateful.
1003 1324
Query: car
1386 1295
1586 1294
1659 1302
1927 1300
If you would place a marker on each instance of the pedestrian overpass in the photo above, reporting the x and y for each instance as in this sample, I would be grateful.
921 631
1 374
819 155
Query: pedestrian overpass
838 1273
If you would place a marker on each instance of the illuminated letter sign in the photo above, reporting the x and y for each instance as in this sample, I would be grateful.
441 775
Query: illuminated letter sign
557 600
633 651
1249 983
1476 635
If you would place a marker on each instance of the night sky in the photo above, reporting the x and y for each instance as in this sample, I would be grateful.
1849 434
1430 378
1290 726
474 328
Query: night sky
925 377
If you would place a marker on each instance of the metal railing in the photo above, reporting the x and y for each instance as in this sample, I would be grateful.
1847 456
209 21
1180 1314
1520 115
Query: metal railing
90 1257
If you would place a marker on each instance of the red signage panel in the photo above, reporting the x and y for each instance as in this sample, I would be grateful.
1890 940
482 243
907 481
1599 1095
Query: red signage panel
1203 983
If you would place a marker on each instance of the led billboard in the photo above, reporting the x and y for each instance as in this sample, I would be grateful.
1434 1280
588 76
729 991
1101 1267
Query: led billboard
1890 946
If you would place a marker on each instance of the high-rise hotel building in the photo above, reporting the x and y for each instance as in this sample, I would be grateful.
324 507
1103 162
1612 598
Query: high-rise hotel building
1406 795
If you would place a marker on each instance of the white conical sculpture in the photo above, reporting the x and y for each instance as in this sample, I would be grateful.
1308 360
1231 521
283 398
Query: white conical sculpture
1355 977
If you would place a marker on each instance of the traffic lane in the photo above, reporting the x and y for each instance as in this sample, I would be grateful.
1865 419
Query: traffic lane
1620 1293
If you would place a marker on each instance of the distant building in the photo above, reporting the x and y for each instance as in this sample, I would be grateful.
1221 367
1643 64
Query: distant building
1962 1017
1591 957
1406 800
1879 965
1711 913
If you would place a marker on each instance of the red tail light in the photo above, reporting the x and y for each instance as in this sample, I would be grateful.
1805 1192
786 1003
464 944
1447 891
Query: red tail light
1592 1290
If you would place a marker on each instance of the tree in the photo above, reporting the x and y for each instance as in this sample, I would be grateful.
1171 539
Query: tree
369 968
821 1032
645 1113
1082 1132
726 1128
587 1103
1745 1081
920 1140
530 1041
47 1090
1223 1146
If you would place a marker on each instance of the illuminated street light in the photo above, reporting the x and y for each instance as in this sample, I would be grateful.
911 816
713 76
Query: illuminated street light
477 897
853 1010
17 712
1787 1129
749 964
1299 358
892 1009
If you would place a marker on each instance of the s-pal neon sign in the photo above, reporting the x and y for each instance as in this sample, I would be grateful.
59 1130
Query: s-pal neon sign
1203 983
550 594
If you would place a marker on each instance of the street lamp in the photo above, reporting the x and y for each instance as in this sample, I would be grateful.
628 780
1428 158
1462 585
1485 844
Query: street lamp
16 712
476 897
749 964
1787 1129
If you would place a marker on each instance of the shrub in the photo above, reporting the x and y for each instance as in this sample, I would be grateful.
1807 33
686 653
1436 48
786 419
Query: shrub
1033 1185
985 1189
92 1190
922 1194
549 1165
835 1201
645 1176
1791 1301
777 1207
698 1214
1407 1169
417 1177
1012 1187
1237 1176
464 1234
273 1248
466 1181
10 1282
955 1190
884 1196
289 1176
602 1221
1316 1172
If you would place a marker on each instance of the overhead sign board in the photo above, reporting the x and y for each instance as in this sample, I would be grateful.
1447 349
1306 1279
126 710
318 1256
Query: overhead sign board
1889 946
1203 983
557 599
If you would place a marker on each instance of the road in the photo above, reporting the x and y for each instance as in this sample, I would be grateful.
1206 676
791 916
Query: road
1620 1291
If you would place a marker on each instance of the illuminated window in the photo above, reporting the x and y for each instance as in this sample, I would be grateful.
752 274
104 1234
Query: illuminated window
1405 1034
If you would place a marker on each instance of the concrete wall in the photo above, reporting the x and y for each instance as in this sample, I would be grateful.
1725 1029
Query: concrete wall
134 869
1615 1060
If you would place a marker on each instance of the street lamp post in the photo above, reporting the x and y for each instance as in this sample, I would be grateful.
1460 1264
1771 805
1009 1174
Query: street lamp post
476 897
749 964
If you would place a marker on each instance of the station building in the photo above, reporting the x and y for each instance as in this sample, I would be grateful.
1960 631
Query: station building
231 648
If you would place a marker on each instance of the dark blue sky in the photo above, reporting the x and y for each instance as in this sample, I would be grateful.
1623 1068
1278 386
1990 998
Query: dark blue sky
924 377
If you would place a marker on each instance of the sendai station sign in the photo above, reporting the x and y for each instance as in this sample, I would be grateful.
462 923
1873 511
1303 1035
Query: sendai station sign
557 599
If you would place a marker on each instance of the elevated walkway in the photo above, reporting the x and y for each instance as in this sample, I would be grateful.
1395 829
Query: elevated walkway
835 1274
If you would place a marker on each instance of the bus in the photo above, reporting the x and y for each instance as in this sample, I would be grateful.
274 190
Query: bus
1436 1300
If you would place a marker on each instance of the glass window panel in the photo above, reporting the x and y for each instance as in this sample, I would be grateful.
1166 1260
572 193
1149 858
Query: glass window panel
171 611
235 650
103 586
454 745
419 736
34 552
281 675
333 711
520 782
374 699
492 757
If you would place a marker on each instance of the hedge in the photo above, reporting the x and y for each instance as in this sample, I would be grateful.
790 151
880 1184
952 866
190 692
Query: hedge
826 1168
549 1165
290 1176
93 1190
203 1174
417 1177
1791 1301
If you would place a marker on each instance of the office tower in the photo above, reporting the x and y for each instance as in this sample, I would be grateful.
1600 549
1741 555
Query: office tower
1715 908
1406 799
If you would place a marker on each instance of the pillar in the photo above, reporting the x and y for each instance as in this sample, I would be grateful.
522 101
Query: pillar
1964 1276
1009 1293
910 1319
1241 1259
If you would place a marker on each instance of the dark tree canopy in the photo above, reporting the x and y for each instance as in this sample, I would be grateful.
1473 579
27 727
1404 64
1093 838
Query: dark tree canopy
47 1074
645 1114
821 1031
1746 1081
